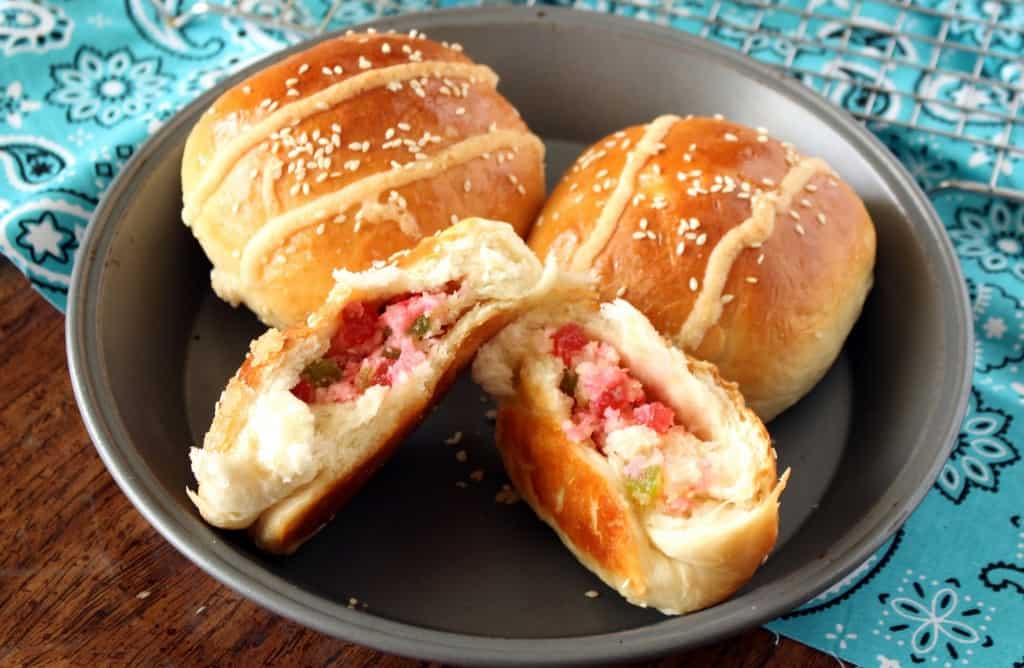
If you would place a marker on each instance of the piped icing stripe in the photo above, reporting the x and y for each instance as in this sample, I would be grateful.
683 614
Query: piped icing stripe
650 144
227 156
756 229
368 191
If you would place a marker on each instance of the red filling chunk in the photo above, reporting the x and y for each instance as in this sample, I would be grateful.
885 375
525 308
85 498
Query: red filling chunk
606 395
377 343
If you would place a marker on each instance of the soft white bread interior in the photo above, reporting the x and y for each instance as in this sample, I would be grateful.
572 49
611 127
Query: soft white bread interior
282 467
675 562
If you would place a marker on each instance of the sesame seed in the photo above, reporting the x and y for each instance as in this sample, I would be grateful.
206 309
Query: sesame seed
651 235
460 111
467 186
339 70
305 188
680 248
694 223
477 475
235 206
290 82
762 138
680 176
303 68
404 127
751 279
804 202
643 223
385 48
320 229
454 219
821 218
768 182
719 117
726 298
322 106
810 187
760 258
693 284
521 189
639 235
461 456
247 89
326 71
590 593
702 238
454 438
621 291
731 137
364 63
794 214
800 229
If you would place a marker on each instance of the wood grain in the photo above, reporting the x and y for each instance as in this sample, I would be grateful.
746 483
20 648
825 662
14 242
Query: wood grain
84 580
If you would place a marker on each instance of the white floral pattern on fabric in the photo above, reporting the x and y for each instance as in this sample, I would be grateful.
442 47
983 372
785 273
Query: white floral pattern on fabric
32 27
13 104
107 87
993 235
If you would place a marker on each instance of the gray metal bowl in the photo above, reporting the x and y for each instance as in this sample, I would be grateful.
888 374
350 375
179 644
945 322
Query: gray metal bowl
446 572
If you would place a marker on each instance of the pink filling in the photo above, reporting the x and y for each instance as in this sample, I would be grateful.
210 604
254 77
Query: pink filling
607 396
379 343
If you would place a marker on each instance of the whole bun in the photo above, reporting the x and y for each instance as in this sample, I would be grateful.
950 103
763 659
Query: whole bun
341 155
740 249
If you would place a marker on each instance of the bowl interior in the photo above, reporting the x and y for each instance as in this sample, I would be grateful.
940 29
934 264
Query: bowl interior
414 547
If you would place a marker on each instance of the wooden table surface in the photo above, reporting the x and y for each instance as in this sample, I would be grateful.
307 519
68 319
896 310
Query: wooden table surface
84 580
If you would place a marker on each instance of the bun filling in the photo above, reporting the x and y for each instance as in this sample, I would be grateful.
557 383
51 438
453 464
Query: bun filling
380 342
664 467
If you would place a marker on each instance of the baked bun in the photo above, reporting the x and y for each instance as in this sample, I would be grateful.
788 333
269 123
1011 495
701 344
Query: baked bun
647 465
343 154
316 409
740 249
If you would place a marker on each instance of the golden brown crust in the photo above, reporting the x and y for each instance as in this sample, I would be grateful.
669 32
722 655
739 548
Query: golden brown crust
788 304
292 135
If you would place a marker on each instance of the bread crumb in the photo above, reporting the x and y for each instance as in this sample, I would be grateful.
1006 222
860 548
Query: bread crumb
461 456
454 438
590 593
142 595
507 495
201 609
477 475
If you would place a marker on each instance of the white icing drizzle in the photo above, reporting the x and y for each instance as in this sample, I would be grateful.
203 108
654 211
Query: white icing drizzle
226 157
648 146
756 229
368 189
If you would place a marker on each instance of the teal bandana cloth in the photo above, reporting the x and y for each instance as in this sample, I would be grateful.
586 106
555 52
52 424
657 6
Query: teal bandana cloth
84 84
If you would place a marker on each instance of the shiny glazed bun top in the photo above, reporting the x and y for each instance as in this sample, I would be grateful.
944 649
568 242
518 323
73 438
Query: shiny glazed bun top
343 154
743 251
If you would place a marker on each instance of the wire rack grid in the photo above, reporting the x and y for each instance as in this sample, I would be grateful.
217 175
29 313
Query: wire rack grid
918 72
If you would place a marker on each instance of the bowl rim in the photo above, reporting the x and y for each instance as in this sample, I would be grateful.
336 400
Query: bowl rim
109 435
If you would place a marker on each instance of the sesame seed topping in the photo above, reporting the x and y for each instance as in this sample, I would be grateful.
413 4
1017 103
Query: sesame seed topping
800 229
454 219
305 188
290 82
621 291
680 248
651 235
320 229
762 138
731 137
794 214
404 127
821 218
521 189
385 48
804 202
235 206
364 63
693 284
768 182
247 89
811 188
326 71
477 475
643 223
702 239
303 68
639 235
467 186
718 117
339 70
751 279
590 593
454 438
760 258
726 298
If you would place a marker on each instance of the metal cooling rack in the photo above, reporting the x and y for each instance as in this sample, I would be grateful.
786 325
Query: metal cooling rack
855 38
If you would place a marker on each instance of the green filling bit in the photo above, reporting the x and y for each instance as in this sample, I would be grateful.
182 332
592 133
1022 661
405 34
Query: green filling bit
645 489
420 327
321 373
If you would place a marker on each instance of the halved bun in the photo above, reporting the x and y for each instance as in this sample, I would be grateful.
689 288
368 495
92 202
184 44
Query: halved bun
675 561
282 465
741 250
339 156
